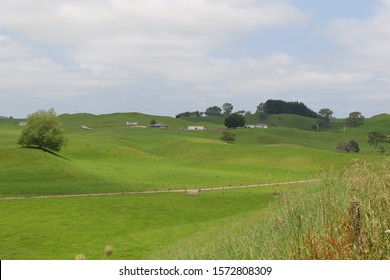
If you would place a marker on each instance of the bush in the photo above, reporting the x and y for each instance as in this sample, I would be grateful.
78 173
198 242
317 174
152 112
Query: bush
228 136
349 146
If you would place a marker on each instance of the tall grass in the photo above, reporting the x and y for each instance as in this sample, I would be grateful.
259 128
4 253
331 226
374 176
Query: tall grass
343 216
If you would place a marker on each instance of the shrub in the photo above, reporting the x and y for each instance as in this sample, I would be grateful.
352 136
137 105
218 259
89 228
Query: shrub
228 136
349 146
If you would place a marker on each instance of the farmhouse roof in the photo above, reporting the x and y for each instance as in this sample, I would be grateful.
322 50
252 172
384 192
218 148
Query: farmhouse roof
158 125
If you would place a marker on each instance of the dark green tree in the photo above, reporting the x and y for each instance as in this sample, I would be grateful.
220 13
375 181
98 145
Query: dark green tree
325 115
213 111
227 109
43 130
234 121
376 138
355 119
261 111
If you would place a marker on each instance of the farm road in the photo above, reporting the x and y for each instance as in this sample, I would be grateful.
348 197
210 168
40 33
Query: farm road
190 191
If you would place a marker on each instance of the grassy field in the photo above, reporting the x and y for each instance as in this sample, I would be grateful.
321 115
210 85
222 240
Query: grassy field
342 217
111 157
135 225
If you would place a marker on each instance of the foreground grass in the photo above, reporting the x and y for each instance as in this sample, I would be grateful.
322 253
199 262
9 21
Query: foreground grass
135 225
345 216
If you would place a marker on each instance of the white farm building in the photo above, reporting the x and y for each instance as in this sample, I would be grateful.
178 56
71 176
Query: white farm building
195 127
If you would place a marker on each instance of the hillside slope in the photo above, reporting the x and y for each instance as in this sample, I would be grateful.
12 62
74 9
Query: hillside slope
110 156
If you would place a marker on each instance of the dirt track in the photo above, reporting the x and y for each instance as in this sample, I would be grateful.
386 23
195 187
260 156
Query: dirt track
159 191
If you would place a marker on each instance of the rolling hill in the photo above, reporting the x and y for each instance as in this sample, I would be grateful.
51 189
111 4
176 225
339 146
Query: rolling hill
110 156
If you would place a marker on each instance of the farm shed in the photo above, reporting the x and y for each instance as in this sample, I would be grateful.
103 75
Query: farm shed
195 127
261 126
257 126
158 125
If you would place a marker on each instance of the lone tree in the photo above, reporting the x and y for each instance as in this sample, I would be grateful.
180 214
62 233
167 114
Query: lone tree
349 146
325 115
355 119
376 138
227 109
234 120
43 130
261 110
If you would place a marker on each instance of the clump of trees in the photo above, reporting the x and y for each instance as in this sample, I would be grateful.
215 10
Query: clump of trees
43 130
189 114
235 120
283 107
349 146
213 111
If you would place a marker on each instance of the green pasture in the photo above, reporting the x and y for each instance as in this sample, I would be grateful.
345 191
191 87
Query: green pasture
135 225
111 157
114 158
343 216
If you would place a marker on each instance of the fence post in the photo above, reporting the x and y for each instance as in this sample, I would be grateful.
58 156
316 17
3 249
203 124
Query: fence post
355 220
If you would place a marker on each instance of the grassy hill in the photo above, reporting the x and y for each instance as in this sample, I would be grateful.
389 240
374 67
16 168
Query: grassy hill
111 157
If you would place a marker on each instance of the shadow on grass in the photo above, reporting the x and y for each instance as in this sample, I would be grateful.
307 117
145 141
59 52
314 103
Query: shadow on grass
46 151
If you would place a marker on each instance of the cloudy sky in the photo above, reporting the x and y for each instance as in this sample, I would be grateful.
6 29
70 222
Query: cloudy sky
164 57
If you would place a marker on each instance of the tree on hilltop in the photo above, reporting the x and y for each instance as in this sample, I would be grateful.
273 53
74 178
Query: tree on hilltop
235 120
43 129
325 115
227 109
355 119
213 111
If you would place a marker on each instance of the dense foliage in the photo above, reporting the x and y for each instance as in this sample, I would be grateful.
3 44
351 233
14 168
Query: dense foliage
234 120
213 111
189 115
284 107
43 129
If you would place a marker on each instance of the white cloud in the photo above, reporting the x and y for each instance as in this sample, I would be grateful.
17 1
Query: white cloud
368 38
122 52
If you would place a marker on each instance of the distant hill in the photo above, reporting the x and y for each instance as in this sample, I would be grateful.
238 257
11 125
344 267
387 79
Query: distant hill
120 120
380 123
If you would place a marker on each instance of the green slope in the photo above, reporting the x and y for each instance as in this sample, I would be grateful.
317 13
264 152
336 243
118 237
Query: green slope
113 157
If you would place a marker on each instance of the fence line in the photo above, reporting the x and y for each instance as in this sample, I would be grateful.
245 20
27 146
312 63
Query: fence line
157 191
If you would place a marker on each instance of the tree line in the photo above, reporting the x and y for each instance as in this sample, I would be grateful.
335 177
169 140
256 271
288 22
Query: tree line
272 106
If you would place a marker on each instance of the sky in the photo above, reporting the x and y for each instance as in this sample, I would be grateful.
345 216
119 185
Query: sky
164 57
